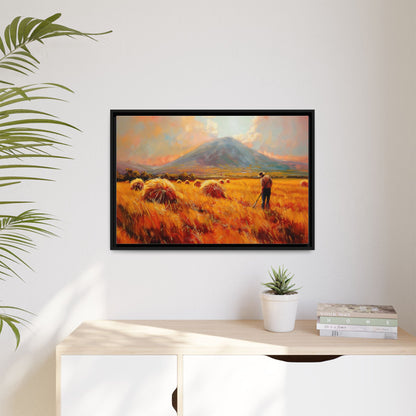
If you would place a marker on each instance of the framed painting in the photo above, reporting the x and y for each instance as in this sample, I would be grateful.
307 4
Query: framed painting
212 179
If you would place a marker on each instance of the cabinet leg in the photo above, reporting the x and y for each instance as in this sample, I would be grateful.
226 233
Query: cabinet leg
179 389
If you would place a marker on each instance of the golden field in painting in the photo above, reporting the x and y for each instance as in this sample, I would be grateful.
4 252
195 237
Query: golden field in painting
200 219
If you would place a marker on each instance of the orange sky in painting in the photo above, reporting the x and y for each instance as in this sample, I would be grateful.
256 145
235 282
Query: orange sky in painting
300 159
156 140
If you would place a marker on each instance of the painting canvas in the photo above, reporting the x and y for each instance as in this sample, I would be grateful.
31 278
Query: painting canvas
212 179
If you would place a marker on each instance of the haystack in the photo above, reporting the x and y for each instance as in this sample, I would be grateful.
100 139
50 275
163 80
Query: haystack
186 182
197 184
227 181
213 188
178 181
161 191
304 183
222 182
136 184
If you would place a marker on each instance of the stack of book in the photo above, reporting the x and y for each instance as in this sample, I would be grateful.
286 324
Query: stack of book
357 321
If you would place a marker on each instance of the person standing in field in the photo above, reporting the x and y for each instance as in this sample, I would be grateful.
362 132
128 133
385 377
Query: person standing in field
266 189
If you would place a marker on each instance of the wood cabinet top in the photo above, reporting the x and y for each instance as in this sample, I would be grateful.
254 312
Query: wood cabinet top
220 337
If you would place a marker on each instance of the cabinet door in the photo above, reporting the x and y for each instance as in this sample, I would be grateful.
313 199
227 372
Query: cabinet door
233 386
353 385
117 385
259 385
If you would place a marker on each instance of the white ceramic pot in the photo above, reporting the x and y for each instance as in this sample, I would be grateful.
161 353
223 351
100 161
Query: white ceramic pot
279 311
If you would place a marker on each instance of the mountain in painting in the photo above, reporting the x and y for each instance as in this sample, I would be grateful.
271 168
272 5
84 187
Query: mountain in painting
226 154
122 166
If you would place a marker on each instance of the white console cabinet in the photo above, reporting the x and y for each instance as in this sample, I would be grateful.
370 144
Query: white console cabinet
114 385
258 385
224 368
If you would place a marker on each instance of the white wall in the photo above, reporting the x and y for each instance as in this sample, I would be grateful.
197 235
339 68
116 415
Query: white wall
352 61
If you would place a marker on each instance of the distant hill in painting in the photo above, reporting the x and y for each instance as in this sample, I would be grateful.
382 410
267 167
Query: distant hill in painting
225 155
122 166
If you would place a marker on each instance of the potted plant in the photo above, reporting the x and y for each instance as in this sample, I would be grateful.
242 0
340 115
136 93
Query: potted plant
280 301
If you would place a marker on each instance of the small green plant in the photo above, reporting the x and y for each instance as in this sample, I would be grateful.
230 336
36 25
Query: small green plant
281 282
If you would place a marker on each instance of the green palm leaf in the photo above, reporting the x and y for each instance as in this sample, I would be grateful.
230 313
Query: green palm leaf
16 231
19 138
21 32
27 135
12 320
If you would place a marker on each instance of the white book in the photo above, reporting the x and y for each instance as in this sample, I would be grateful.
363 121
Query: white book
357 334
356 328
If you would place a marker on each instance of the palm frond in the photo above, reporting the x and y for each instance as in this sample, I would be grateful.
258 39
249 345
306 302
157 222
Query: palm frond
26 135
21 32
16 236
13 320
21 138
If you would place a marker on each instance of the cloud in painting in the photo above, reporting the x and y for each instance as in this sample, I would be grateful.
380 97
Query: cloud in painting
283 137
212 127
155 140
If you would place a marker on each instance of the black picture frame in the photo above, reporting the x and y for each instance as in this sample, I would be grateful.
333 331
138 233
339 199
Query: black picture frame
309 245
